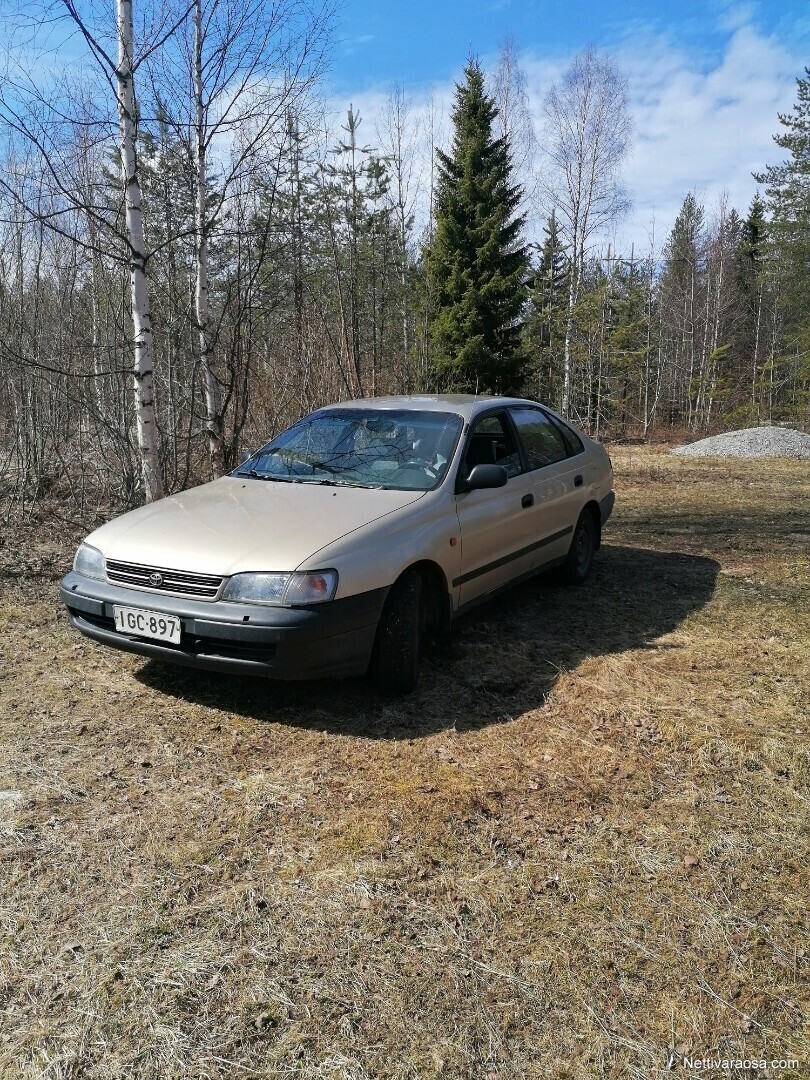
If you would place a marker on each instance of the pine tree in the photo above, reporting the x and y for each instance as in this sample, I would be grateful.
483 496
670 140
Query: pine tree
477 264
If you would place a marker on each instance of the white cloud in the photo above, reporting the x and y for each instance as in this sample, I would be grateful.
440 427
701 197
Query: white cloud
352 45
702 128
702 123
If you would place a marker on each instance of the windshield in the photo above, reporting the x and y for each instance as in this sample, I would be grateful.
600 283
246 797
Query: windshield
386 448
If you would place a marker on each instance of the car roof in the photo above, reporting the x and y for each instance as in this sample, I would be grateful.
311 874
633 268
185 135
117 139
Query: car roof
466 405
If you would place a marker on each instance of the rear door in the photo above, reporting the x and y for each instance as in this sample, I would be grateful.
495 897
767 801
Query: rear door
554 475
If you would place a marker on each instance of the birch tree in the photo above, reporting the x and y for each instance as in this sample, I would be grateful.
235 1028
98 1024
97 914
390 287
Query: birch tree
249 65
143 370
43 115
397 134
510 91
586 136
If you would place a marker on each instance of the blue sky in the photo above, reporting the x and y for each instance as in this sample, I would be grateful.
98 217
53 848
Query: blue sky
707 78
419 42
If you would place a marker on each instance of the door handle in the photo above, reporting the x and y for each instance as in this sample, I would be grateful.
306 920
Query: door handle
527 501
578 480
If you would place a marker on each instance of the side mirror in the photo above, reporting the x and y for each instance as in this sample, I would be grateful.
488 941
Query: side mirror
484 476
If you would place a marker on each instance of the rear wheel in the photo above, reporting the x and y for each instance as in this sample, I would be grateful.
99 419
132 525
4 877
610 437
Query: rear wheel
583 545
395 659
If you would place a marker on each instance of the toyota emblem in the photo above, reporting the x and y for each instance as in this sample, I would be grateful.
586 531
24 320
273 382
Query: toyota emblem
156 580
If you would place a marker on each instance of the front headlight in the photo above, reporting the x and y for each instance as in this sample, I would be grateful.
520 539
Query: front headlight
89 562
312 587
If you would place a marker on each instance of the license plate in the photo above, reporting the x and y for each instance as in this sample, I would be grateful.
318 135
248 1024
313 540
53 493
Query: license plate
151 624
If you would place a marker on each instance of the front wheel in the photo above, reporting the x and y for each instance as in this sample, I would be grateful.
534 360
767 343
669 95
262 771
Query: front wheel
583 545
395 660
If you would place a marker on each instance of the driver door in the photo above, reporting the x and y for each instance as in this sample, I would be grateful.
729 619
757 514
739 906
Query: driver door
496 524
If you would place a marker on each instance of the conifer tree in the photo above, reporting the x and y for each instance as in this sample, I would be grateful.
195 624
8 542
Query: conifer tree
477 264
628 340
787 197
681 291
544 324
748 284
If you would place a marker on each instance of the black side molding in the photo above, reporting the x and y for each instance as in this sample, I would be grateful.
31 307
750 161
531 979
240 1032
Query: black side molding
496 563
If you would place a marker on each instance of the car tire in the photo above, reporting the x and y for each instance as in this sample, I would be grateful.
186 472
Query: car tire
577 566
395 659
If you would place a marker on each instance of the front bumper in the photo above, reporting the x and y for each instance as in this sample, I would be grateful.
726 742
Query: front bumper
326 640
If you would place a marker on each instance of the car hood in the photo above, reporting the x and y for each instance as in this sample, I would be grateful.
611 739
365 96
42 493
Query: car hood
238 524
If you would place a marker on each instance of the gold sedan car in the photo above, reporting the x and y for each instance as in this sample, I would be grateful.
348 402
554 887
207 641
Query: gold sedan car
335 548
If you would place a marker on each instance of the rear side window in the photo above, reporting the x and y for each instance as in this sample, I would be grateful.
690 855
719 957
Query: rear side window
572 440
542 441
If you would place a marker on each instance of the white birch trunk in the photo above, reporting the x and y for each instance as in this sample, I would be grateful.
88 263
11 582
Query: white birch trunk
139 294
213 398
647 364
573 288
755 400
689 321
565 407
713 368
302 361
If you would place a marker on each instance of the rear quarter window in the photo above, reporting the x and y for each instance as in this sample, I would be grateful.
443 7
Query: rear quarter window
573 442
543 442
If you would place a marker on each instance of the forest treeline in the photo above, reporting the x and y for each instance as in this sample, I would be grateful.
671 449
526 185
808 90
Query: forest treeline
278 268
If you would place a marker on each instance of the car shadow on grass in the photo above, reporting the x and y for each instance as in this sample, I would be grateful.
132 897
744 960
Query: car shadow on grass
504 658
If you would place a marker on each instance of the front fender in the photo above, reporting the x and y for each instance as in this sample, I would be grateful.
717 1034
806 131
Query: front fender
375 555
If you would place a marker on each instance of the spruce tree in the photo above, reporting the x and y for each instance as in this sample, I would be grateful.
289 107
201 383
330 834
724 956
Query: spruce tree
477 264
681 291
787 197
748 334
544 322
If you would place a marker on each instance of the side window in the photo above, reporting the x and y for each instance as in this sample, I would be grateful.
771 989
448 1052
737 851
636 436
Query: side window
572 440
542 440
492 443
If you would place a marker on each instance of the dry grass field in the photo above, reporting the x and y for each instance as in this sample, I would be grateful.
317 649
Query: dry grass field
579 850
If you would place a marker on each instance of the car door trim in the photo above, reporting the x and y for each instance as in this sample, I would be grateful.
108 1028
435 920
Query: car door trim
497 563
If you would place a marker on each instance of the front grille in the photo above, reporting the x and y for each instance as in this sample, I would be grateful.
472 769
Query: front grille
175 582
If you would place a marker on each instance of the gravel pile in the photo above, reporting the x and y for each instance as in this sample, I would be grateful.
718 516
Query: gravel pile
757 442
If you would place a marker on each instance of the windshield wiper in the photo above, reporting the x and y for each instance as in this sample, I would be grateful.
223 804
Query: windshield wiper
268 476
325 482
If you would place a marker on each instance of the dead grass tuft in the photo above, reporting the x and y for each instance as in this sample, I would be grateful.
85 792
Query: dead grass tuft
580 849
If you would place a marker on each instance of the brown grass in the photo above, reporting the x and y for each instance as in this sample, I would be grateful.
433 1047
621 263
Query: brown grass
579 850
